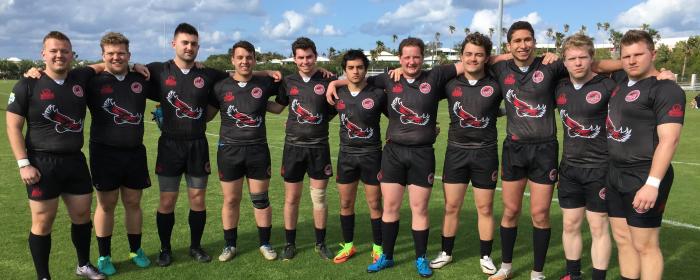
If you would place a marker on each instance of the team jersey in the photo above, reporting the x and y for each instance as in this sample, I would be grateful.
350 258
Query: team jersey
634 112
309 113
529 98
242 106
412 106
583 113
473 111
183 97
117 108
359 119
54 113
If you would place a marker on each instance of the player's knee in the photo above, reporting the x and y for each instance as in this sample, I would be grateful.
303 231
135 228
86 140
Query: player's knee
598 231
107 207
260 200
451 208
347 204
571 226
645 247
511 212
484 210
375 205
318 198
131 205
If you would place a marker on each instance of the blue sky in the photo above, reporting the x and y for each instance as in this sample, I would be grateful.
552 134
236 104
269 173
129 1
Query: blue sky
272 25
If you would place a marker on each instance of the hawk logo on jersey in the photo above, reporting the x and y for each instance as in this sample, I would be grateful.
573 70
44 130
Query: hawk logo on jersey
136 87
121 115
319 89
182 109
486 91
256 92
632 96
593 97
575 129
397 88
199 82
457 92
78 90
617 134
63 122
242 119
106 89
368 103
424 88
538 76
304 115
408 116
602 193
354 131
522 109
466 119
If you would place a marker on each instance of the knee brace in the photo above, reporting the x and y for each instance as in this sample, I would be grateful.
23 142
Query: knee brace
260 200
318 198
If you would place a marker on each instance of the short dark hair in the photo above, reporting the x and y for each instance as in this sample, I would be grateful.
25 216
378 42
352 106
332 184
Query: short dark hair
352 55
635 36
113 38
185 28
303 43
56 35
520 25
412 42
243 45
480 40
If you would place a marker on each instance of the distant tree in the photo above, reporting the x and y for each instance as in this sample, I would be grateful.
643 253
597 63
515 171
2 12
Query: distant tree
467 31
583 30
566 28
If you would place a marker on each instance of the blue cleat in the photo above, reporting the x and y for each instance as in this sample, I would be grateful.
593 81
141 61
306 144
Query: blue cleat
423 268
380 264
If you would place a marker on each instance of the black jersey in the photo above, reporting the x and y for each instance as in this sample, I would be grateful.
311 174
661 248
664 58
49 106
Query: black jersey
583 113
309 113
412 106
183 97
634 112
54 113
359 119
242 106
117 108
529 98
473 112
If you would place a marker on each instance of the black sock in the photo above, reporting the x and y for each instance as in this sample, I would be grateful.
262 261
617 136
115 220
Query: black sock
420 241
377 230
231 235
485 247
165 223
448 243
81 236
390 230
264 234
40 247
508 236
573 267
134 242
291 236
197 220
599 274
104 245
320 235
347 224
540 244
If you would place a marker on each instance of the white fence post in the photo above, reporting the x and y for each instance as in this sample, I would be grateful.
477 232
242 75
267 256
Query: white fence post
692 80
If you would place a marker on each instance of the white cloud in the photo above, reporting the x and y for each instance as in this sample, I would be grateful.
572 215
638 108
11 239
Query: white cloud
291 23
317 9
330 30
417 17
678 15
313 30
485 19
533 18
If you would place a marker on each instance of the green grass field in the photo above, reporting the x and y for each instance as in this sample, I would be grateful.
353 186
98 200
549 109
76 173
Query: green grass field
678 241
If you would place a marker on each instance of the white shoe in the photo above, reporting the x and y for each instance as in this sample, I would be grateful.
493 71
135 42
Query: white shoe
441 260
90 272
487 265
227 254
536 275
502 274
268 252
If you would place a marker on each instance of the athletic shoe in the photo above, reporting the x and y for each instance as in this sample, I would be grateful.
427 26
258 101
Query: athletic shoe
569 276
165 257
289 251
198 254
347 250
536 275
441 260
268 252
376 252
140 259
380 264
323 251
89 271
423 268
104 265
502 274
227 254
487 265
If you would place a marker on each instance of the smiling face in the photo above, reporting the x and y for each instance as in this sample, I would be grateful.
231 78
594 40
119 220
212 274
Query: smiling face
243 61
116 58
578 62
473 59
305 59
637 60
186 47
522 45
411 61
58 55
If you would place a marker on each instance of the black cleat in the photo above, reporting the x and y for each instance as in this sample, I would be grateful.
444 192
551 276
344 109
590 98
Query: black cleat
165 258
323 251
199 255
289 251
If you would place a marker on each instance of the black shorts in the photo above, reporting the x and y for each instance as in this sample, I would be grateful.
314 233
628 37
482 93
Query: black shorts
534 161
252 161
353 167
478 165
579 187
623 186
297 160
183 156
408 165
114 167
60 173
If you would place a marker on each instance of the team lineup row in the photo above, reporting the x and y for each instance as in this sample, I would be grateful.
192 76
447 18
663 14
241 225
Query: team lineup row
621 130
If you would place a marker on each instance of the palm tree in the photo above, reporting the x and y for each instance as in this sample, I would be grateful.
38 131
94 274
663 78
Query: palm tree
583 29
452 30
467 31
645 26
550 35
689 47
331 52
614 39
558 40
491 31
380 47
598 25
566 28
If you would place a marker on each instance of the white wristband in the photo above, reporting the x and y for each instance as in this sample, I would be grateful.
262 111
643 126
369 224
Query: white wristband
653 181
23 162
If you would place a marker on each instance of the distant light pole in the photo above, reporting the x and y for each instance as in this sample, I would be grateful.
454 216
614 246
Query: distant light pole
500 26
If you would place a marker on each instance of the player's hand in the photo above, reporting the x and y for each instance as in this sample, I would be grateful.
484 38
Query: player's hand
396 74
34 73
326 74
143 70
30 175
665 75
645 198
199 65
331 95
549 58
275 75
